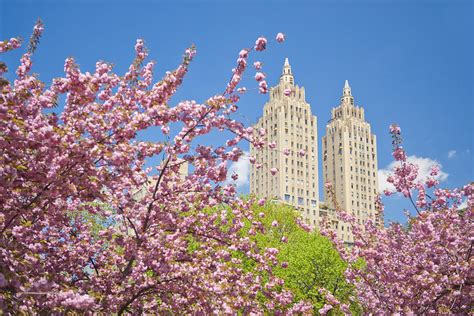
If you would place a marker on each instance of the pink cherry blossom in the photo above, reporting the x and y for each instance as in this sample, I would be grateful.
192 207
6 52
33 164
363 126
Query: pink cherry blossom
257 65
325 309
242 90
165 130
244 53
280 37
11 44
259 76
434 170
260 44
89 226
263 88
395 129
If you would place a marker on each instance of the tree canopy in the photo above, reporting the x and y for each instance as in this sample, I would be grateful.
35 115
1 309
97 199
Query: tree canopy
308 261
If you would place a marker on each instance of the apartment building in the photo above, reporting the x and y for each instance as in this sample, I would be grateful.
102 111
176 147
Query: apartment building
289 123
349 151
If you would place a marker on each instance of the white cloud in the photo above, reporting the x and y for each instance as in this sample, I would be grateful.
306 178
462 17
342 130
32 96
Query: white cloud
463 205
451 153
424 165
242 169
382 177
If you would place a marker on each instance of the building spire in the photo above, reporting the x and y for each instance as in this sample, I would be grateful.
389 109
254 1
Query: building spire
347 89
287 75
347 97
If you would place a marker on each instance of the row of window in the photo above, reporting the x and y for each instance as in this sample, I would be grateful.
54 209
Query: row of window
361 138
300 191
299 113
301 201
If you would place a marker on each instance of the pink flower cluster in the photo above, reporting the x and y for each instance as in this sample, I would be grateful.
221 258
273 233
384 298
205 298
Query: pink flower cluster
260 44
237 73
259 76
280 37
11 44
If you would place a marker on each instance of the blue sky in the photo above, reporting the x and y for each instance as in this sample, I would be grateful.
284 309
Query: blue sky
408 62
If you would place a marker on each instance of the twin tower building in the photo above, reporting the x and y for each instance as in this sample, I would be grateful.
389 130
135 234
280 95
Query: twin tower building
349 158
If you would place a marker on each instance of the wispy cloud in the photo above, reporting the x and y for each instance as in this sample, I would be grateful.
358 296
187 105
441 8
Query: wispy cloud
463 205
242 169
424 165
452 153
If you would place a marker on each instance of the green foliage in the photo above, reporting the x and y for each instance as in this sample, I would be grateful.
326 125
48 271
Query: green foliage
88 214
312 260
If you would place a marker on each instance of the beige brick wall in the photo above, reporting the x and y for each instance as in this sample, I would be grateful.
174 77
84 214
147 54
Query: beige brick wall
289 122
349 151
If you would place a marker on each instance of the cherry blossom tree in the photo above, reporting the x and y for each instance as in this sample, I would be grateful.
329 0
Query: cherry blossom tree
85 226
425 268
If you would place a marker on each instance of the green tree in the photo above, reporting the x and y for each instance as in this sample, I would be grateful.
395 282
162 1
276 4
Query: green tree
308 260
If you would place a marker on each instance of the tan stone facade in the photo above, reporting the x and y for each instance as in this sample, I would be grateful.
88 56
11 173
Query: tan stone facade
289 122
350 163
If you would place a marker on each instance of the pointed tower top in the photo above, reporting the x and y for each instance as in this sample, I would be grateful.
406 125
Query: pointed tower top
346 85
347 97
347 89
287 75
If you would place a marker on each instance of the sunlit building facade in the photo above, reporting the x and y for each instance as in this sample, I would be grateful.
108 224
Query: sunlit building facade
349 151
288 121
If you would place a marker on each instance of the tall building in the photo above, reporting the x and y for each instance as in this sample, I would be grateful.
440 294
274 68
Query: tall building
289 122
350 163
